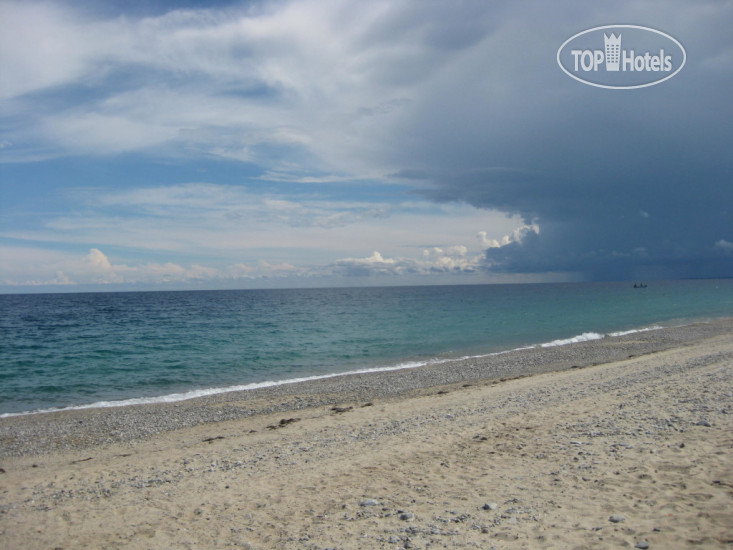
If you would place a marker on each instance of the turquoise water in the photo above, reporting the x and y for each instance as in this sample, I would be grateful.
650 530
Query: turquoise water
62 350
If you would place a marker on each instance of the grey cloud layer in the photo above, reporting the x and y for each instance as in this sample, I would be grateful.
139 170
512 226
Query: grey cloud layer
623 184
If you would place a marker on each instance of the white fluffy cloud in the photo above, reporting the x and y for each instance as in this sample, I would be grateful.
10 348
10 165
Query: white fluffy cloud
452 259
100 270
516 236
96 268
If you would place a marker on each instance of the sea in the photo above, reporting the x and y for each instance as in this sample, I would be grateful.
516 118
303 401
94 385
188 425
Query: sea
114 349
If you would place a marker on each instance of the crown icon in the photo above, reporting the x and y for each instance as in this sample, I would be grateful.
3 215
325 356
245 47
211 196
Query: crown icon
613 51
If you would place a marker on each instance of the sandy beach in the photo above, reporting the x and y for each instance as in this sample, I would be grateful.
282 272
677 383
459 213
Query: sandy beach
624 442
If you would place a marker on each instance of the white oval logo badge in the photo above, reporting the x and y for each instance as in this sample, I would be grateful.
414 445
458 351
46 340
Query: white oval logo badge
621 57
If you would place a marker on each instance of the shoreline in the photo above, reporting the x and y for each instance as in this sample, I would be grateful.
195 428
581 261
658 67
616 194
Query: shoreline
404 365
630 449
47 431
409 362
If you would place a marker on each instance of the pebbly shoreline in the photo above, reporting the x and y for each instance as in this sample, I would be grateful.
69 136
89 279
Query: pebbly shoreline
38 434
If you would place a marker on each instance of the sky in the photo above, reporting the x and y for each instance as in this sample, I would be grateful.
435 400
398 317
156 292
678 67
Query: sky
295 143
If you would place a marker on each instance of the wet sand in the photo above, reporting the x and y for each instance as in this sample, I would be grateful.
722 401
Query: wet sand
619 442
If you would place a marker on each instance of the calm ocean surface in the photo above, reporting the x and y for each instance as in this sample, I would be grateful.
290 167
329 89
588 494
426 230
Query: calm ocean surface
62 350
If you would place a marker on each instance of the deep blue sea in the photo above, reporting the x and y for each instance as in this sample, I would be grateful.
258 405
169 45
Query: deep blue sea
90 349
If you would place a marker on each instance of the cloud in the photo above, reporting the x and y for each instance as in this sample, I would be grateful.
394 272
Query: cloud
517 236
462 105
374 264
101 133
320 82
40 47
224 225
100 268
725 246
603 174
35 267
258 78
96 268
453 259
279 268
238 271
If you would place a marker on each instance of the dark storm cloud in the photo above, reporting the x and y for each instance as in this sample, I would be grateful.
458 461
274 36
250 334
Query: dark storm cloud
623 184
